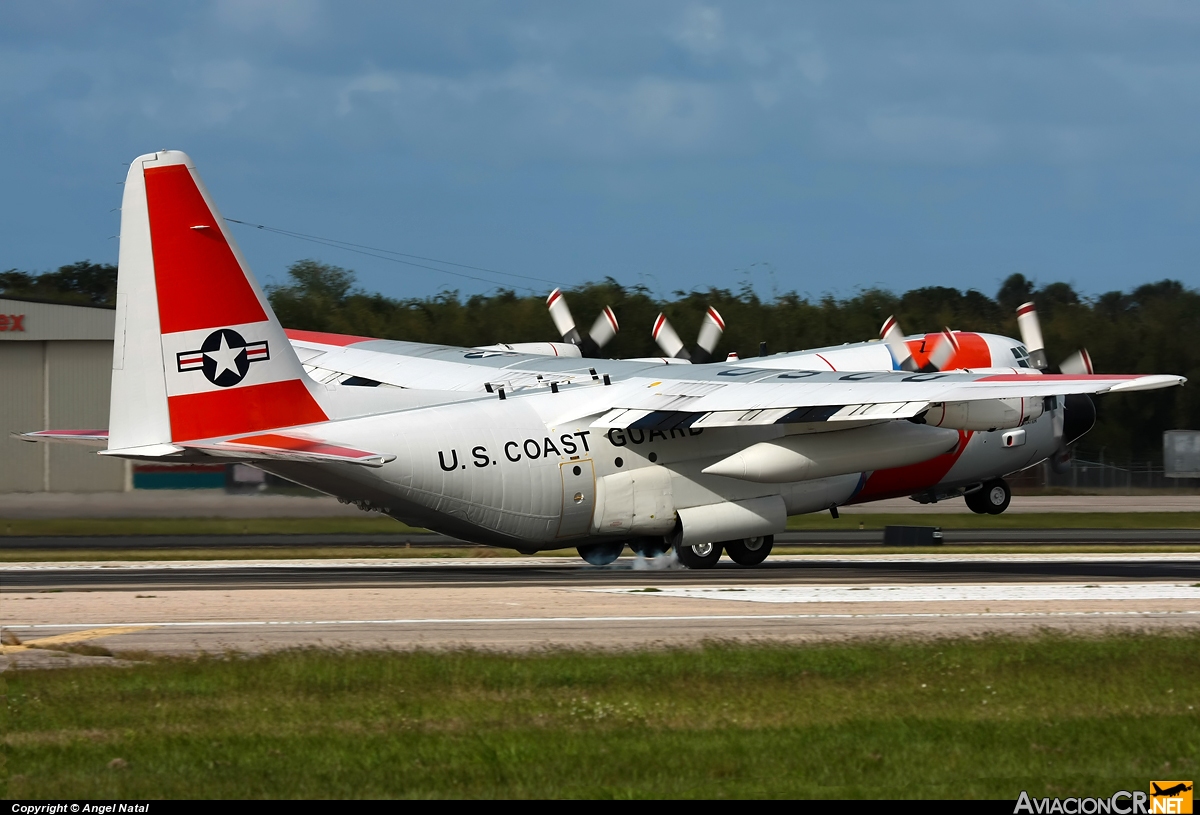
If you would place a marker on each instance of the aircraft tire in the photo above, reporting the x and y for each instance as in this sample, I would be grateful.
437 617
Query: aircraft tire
701 556
749 551
649 546
977 501
996 496
601 554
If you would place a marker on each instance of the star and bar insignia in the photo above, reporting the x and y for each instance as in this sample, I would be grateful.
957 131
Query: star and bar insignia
224 357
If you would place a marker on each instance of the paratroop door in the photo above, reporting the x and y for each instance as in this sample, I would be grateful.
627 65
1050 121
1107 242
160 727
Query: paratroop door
579 498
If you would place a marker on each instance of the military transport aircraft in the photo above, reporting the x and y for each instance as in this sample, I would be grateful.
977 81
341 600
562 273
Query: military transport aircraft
536 447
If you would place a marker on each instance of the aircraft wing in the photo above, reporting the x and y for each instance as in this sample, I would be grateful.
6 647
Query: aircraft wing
646 394
806 396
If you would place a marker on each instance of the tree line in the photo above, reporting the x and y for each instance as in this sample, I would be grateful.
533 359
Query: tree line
1151 329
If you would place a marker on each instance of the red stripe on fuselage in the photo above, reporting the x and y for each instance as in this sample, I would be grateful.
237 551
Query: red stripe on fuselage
200 283
242 410
322 338
900 481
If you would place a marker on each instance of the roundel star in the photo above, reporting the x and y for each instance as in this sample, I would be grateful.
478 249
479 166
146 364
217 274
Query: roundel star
225 358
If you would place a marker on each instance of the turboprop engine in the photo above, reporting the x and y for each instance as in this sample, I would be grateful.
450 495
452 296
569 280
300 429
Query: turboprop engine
985 414
819 455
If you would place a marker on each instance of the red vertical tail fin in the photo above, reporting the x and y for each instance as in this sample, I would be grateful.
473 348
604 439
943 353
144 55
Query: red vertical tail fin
198 352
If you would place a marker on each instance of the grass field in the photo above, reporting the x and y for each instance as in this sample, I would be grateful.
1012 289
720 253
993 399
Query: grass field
958 718
1023 520
366 525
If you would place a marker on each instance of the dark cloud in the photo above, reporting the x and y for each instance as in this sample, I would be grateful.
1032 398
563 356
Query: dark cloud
845 144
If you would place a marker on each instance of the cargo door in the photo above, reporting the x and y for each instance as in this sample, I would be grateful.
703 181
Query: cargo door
578 498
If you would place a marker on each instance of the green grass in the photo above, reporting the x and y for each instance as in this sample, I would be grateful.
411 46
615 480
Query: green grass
1009 520
958 718
367 525
258 553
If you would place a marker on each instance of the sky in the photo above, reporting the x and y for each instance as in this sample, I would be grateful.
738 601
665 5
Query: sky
821 148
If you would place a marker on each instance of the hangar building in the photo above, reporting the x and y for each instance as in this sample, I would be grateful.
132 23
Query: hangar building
56 362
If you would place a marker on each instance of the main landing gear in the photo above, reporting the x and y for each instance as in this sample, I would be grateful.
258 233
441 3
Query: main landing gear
990 499
700 556
750 551
743 552
601 554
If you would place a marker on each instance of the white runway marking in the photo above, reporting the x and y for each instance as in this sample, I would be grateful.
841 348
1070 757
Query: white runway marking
610 619
916 593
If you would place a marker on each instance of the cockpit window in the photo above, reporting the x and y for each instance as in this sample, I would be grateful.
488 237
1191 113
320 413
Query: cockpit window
1021 355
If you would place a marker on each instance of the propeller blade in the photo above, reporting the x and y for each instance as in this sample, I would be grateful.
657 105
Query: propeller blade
603 330
560 312
893 338
1031 334
944 352
711 330
1078 363
668 340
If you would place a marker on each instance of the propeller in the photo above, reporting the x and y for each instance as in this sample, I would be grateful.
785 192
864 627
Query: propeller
893 338
944 350
1030 327
603 330
1078 411
711 329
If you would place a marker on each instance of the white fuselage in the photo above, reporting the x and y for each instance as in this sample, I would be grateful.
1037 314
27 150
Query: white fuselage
530 471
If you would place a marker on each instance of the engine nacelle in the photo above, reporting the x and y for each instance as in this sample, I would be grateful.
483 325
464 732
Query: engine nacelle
985 414
820 455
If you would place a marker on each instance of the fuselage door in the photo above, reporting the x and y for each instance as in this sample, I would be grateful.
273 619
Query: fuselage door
578 498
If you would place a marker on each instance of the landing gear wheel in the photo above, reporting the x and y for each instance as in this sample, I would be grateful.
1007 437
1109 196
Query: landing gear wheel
649 546
749 551
700 556
600 554
977 501
996 496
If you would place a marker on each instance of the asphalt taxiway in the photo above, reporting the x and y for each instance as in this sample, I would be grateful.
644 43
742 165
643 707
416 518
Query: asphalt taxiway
528 603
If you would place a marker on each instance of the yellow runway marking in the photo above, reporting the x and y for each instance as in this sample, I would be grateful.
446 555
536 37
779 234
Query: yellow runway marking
74 636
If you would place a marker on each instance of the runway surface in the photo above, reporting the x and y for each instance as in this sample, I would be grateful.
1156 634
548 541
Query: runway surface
527 603
851 537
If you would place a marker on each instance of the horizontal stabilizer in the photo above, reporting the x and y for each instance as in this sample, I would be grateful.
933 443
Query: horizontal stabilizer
278 447
93 438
